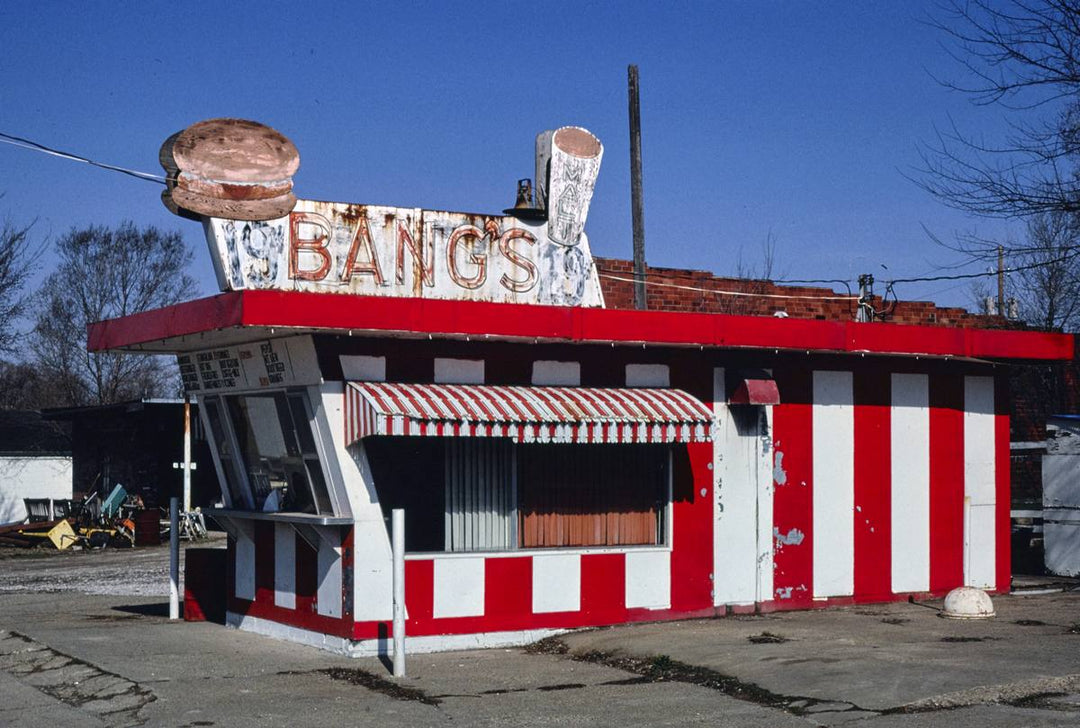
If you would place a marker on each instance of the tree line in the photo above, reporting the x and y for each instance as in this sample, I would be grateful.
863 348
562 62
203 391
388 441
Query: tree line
99 273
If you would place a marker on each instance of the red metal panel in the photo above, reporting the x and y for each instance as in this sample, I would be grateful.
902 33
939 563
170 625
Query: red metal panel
793 484
603 588
508 589
946 481
934 340
419 592
990 344
284 309
1003 490
692 533
192 317
873 502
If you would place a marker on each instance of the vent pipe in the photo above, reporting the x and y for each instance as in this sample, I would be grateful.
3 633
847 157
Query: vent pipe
637 204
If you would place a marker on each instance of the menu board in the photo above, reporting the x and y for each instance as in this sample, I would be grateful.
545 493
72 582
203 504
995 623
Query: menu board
256 365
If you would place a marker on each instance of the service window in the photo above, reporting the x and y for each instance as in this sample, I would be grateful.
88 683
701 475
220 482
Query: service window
266 447
591 495
489 494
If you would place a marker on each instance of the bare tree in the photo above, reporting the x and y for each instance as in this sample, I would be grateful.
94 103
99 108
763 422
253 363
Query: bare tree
17 255
1042 273
106 273
1023 57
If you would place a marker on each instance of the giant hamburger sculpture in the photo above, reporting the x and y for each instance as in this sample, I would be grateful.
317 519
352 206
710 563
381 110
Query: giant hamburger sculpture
230 168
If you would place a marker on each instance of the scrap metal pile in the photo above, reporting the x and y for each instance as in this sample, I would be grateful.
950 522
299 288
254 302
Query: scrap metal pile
91 523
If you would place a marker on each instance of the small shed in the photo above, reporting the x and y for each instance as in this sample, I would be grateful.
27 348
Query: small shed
135 444
35 462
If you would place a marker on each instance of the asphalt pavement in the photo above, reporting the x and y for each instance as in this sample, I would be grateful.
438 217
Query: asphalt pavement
115 659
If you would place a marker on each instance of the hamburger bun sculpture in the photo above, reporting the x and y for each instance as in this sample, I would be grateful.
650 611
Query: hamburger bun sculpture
229 168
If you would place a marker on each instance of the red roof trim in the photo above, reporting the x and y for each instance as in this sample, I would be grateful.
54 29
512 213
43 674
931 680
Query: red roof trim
336 313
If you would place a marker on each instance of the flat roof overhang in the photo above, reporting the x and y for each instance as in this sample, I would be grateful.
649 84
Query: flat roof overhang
239 317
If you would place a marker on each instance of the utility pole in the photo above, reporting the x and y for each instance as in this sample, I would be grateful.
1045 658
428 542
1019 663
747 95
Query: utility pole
637 203
1001 281
865 311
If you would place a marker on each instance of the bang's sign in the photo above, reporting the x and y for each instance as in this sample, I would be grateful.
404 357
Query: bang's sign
409 252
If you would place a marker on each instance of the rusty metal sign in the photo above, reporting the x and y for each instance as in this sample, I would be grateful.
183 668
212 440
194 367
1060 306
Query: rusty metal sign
407 252
371 250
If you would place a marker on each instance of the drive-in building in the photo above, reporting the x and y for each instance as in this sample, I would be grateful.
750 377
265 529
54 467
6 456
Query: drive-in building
563 464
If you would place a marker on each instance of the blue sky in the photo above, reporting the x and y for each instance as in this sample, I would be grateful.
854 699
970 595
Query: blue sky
798 119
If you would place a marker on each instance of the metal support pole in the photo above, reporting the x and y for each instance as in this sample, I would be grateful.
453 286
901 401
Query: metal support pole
397 523
1001 281
174 558
187 454
637 200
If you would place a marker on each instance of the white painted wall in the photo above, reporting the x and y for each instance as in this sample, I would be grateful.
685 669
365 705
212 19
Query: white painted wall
736 461
648 375
31 477
834 484
979 481
372 559
910 478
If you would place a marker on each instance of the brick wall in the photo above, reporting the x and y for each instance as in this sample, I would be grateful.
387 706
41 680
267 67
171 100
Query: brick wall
672 289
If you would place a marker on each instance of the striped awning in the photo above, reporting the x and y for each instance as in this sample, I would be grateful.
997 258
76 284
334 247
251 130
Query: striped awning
525 414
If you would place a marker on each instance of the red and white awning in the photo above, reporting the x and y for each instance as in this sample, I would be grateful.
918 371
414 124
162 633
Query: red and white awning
525 414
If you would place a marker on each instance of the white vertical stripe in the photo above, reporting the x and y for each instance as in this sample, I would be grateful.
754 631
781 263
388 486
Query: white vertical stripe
979 480
458 587
910 477
765 488
648 375
556 373
648 579
556 583
459 371
284 566
329 571
735 493
834 484
244 566
363 368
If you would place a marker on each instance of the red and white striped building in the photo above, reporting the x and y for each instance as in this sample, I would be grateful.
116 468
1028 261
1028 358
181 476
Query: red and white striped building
560 463
804 462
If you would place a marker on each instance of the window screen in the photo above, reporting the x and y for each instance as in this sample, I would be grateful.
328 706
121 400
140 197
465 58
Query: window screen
591 495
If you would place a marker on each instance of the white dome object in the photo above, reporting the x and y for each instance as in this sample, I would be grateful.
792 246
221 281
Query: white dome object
968 602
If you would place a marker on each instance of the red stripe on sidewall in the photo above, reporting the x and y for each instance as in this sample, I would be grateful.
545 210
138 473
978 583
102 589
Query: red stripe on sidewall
793 501
873 485
946 481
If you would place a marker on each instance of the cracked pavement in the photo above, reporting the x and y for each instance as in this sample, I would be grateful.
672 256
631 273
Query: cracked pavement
114 659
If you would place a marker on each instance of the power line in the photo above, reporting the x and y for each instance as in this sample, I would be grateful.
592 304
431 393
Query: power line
728 293
33 146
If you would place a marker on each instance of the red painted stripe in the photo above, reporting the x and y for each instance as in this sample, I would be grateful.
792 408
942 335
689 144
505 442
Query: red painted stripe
603 586
419 591
508 588
946 481
793 573
692 532
873 486
1003 490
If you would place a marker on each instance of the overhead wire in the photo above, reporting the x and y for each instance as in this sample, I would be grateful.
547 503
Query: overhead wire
24 143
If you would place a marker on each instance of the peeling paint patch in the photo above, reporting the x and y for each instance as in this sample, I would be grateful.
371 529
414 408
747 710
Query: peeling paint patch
779 475
786 592
794 537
